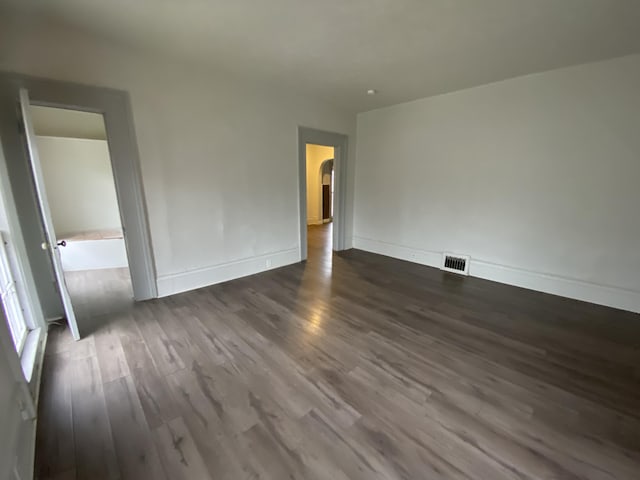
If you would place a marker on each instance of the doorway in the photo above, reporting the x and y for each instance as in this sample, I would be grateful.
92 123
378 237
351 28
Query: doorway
320 172
85 212
38 245
322 175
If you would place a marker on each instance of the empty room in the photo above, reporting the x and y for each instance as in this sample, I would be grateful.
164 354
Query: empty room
320 240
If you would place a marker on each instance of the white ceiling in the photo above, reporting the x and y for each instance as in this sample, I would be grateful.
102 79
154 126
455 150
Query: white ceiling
337 49
59 122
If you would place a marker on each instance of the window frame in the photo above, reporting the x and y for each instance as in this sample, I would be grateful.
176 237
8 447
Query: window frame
10 299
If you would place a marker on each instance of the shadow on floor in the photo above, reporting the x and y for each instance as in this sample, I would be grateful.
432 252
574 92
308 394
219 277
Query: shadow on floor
97 295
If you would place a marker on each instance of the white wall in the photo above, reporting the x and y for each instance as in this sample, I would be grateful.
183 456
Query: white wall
17 436
537 178
17 441
10 421
79 182
220 204
316 155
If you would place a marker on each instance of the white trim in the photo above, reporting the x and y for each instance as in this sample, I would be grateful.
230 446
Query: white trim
181 282
115 106
11 301
34 389
607 295
33 346
423 257
51 244
24 275
20 434
131 201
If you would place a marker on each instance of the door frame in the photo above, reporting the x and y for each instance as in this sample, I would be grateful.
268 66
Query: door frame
51 242
339 142
115 106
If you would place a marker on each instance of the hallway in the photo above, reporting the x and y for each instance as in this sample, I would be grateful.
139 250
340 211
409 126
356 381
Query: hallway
320 243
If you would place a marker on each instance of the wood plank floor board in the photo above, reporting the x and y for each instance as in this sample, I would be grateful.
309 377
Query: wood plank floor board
55 457
322 398
67 475
486 399
135 349
95 456
268 457
162 348
136 453
178 452
356 460
155 397
349 366
290 436
221 453
173 322
111 357
201 339
157 400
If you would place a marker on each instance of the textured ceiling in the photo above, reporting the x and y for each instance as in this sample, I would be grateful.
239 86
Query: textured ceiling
337 49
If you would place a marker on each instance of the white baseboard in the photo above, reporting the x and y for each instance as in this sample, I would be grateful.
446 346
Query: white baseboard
203 277
566 287
423 257
348 243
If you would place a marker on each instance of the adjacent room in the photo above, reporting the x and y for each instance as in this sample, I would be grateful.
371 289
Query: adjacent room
356 240
319 169
82 199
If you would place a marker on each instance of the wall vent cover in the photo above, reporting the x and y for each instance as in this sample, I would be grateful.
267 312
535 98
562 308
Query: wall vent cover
455 263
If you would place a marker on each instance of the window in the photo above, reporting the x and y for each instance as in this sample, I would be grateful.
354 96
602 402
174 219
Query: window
11 302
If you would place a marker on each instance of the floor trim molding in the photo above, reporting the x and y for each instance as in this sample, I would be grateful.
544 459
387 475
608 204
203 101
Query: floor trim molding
190 280
566 287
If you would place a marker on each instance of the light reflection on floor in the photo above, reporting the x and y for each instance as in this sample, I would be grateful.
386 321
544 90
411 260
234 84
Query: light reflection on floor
319 260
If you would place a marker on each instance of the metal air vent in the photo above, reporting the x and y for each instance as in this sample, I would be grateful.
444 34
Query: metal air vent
455 263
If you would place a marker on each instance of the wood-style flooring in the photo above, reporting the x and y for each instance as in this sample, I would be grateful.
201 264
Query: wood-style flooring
349 366
96 293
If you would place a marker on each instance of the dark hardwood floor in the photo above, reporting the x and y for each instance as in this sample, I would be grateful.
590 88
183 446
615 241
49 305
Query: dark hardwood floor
351 366
96 293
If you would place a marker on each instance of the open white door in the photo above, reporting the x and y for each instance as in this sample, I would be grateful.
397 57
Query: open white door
50 235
